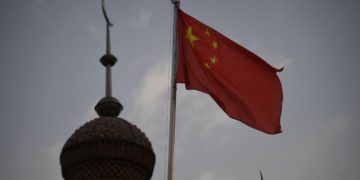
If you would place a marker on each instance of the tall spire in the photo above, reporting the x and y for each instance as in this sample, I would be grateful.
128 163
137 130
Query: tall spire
108 106
108 25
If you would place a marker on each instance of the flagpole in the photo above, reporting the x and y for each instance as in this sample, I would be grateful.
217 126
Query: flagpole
172 116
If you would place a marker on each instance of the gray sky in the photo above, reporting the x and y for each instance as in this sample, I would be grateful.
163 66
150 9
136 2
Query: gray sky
51 78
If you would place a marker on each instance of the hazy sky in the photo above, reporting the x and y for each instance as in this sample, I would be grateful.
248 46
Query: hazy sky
51 78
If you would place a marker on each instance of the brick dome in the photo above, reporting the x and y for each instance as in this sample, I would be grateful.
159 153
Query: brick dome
107 148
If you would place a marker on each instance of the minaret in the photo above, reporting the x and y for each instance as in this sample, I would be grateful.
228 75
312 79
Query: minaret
108 147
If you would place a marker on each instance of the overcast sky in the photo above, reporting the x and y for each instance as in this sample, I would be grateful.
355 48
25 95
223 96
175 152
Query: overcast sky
51 78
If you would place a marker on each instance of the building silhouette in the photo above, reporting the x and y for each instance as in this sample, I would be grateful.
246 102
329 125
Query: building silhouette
107 147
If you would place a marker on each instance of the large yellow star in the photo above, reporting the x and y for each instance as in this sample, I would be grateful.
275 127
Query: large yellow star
214 44
213 60
189 35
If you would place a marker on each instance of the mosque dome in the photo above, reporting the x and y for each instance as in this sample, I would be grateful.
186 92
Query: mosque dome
107 148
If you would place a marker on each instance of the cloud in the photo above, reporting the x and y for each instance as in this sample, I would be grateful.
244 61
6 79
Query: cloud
275 60
207 176
37 2
317 150
37 8
209 117
212 124
150 108
142 19
211 176
154 85
280 60
53 150
96 31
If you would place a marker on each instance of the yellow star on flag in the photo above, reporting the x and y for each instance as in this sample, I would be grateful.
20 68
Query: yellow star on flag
213 60
213 64
207 33
189 35
214 44
207 65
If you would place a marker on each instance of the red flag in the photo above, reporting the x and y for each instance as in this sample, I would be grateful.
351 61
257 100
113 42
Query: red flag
242 84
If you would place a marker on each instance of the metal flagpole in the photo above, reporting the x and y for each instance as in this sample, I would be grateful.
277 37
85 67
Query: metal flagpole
172 116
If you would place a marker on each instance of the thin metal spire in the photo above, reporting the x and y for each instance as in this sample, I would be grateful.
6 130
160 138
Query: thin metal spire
108 49
105 14
108 25
108 106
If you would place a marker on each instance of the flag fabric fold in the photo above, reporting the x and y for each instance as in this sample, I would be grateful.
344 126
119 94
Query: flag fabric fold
241 83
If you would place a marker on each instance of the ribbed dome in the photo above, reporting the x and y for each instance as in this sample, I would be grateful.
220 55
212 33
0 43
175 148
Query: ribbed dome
107 148
108 127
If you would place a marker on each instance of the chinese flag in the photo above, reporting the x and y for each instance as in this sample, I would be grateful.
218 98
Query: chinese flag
242 84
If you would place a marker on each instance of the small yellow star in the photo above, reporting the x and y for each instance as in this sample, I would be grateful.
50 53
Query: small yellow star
207 33
214 44
213 60
207 65
192 38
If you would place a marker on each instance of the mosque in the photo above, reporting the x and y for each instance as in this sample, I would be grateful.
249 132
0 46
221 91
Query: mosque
107 147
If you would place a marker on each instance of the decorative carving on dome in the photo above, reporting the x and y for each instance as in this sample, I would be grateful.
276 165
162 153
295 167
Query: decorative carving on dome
108 128
107 147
